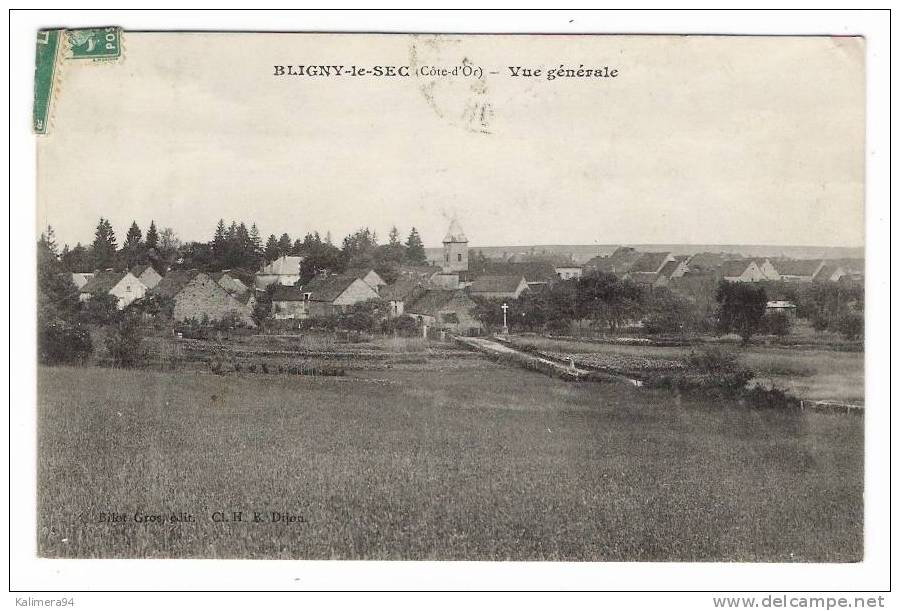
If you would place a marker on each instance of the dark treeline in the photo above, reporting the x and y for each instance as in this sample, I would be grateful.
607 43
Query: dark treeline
602 302
235 246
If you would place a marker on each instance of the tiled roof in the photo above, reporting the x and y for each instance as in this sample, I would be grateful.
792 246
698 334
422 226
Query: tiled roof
401 290
432 301
797 267
139 269
533 271
649 262
173 282
496 284
287 293
284 266
732 269
328 288
102 282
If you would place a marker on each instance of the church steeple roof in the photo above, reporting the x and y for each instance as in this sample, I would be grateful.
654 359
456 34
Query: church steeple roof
455 233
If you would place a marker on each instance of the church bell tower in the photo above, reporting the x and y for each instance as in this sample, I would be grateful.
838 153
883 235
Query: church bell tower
456 249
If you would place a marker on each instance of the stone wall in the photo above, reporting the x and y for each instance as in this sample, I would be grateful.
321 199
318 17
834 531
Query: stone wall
203 296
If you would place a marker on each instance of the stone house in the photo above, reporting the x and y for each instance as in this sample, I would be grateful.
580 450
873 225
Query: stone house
123 285
498 287
399 294
288 302
284 271
331 295
568 272
768 270
619 262
798 270
79 279
197 296
231 281
146 274
742 270
676 268
447 310
370 277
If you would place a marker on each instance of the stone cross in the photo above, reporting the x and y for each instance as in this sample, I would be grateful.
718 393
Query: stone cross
504 307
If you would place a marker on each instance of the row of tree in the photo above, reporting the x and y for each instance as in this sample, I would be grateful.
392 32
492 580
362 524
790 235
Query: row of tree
608 303
235 246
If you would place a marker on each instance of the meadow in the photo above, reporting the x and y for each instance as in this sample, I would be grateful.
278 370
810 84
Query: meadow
812 373
472 460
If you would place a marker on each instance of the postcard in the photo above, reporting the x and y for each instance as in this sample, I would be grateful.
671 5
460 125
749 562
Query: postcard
347 296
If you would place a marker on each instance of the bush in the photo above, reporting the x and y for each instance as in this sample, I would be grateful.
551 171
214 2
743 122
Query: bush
62 342
777 323
404 326
850 325
125 343
709 371
101 310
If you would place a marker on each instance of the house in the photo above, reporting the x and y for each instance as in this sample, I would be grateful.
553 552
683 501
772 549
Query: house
498 287
146 274
289 302
420 272
798 270
197 296
787 307
538 274
79 280
330 295
675 268
284 270
369 276
768 270
741 270
448 310
706 261
619 262
123 285
399 294
234 282
650 263
568 272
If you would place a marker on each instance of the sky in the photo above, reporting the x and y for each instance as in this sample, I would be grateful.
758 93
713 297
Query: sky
715 140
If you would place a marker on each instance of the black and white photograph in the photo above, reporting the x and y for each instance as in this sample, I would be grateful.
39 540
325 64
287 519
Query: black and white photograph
436 296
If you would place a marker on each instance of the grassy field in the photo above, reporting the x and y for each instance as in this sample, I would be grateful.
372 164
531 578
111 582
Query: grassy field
475 461
807 373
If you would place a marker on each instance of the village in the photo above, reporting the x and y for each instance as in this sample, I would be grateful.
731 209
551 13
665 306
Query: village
410 373
444 294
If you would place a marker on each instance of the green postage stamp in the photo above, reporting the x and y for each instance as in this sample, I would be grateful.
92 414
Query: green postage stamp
94 44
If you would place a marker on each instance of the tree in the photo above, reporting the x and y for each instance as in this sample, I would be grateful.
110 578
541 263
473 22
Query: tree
133 237
606 300
125 343
742 306
777 323
78 259
104 246
271 250
318 257
284 245
48 240
218 244
359 248
57 294
256 241
415 249
851 325
152 237
394 237
166 250
60 341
